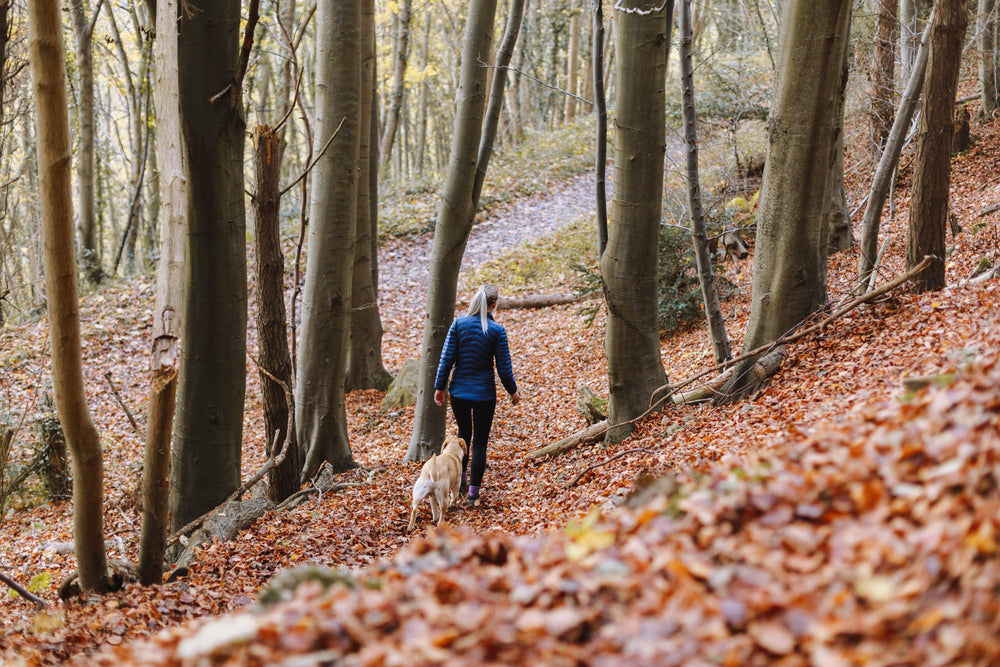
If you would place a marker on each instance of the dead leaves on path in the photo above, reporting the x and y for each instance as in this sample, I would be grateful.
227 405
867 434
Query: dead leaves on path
873 543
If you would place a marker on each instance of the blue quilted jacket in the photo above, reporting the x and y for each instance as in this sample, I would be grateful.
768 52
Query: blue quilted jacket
471 352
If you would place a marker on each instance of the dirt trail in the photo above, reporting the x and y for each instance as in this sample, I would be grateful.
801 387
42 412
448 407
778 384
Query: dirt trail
404 263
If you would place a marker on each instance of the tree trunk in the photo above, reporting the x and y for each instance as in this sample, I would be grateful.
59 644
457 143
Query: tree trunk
364 360
208 433
451 230
883 75
402 50
272 325
986 31
48 72
840 235
887 164
909 38
83 29
572 67
601 148
932 173
789 274
320 407
169 295
629 266
709 291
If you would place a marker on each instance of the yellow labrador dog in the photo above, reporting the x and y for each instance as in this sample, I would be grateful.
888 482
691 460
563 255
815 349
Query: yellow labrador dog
439 480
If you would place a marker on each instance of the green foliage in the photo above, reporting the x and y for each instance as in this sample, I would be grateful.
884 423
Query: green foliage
680 301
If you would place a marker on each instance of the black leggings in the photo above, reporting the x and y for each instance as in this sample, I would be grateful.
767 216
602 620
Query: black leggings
474 419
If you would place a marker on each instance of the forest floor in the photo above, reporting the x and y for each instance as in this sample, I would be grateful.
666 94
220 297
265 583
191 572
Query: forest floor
831 519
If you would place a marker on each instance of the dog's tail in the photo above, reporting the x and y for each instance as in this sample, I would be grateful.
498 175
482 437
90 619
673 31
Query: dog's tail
424 485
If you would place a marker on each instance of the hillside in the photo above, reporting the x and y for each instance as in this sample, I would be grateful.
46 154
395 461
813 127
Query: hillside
832 519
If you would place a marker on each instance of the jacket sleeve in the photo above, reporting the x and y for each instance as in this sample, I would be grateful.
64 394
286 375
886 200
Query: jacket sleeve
504 367
447 359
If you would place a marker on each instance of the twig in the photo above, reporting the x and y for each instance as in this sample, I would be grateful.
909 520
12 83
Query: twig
594 466
114 390
312 164
23 592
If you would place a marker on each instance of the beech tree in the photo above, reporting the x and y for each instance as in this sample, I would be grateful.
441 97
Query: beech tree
48 75
630 260
989 58
789 273
208 431
320 404
83 29
932 173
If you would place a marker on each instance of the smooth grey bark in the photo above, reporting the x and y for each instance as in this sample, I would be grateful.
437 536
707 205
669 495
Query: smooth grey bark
887 163
789 274
365 369
402 52
48 74
629 263
703 259
83 30
986 34
320 404
451 229
932 171
208 427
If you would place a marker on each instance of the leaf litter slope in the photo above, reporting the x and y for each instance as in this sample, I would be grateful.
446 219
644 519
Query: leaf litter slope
828 520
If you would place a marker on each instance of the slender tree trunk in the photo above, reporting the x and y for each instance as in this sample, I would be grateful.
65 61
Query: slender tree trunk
572 67
709 292
364 360
884 81
272 325
454 221
402 49
601 149
887 164
932 174
54 164
169 296
320 405
909 37
208 433
789 275
986 31
83 29
629 266
840 236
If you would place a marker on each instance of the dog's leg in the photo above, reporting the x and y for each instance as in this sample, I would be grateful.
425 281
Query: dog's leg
413 517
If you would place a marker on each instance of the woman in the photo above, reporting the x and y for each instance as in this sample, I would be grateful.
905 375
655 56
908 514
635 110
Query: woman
472 345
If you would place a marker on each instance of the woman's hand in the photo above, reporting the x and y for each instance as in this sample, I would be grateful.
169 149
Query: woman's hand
515 398
439 396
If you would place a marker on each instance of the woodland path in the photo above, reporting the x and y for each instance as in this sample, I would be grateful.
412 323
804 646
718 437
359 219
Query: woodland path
404 263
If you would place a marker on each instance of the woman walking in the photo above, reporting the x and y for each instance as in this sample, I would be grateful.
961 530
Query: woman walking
473 343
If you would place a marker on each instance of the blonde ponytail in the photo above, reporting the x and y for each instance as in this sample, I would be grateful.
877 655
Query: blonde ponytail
481 303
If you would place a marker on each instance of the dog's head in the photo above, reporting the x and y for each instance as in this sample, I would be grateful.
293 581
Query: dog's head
453 440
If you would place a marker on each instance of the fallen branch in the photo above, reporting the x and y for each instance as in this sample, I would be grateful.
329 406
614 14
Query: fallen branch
121 402
271 462
23 592
595 432
592 433
705 391
989 209
544 300
617 456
